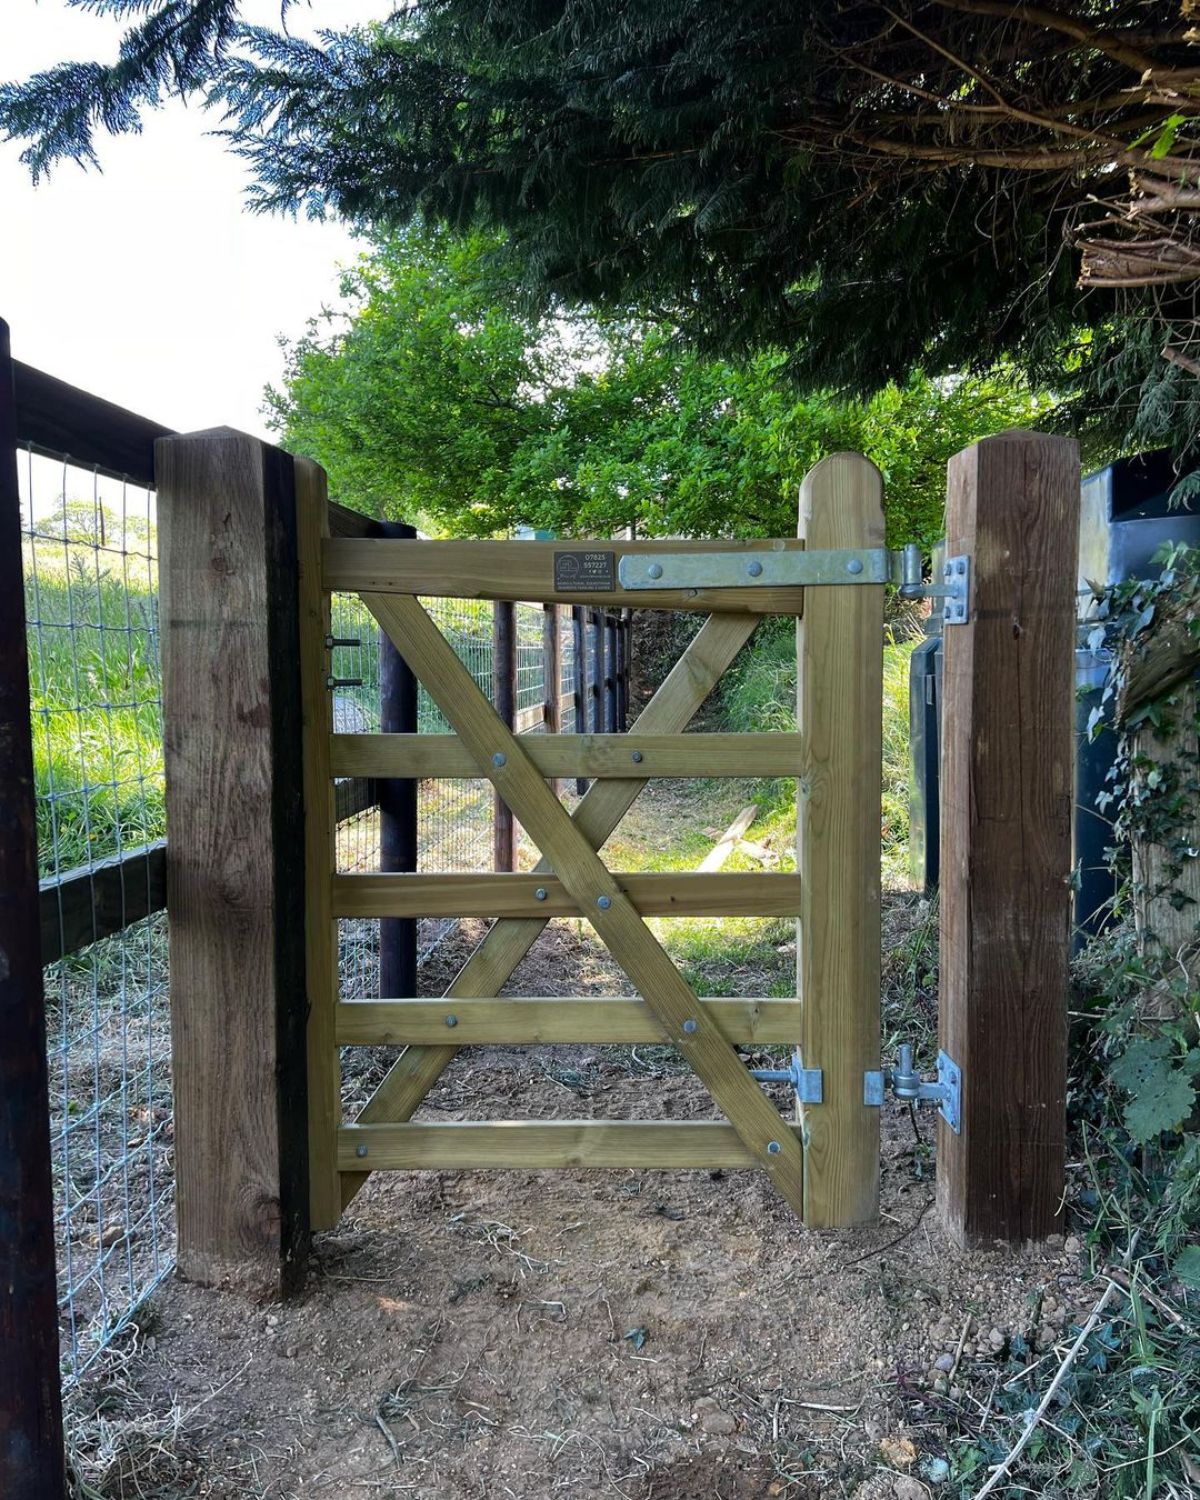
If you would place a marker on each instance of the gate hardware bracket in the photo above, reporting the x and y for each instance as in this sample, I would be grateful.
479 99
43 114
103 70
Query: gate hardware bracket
792 567
333 641
906 1084
340 682
807 1082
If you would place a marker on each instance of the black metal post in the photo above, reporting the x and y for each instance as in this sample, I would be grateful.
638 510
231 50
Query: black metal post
579 685
596 669
504 688
397 805
611 671
31 1438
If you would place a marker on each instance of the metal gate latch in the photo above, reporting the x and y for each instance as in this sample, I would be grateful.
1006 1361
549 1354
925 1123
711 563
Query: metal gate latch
906 1084
807 1082
794 567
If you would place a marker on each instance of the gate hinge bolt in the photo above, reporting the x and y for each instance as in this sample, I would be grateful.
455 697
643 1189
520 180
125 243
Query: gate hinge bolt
603 902
540 893
809 1083
774 1148
499 759
636 757
451 1020
906 1083
360 1151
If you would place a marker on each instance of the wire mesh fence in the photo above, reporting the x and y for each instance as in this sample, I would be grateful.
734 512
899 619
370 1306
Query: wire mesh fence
89 554
90 567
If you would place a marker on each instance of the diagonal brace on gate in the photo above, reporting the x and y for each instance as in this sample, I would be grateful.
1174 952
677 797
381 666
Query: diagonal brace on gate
685 1022
701 666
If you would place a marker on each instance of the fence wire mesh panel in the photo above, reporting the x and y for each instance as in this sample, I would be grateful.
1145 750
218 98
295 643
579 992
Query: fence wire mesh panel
90 569
566 678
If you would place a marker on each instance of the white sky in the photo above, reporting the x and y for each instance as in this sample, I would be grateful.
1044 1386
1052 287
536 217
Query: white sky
148 283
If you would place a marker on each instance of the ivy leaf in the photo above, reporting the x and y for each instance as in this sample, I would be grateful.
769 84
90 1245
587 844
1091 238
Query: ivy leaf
1187 1266
1162 1107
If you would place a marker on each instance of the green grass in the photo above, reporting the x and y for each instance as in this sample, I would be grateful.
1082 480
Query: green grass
95 689
759 695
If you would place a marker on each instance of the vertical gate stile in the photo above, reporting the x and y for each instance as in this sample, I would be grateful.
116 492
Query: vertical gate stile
839 648
320 853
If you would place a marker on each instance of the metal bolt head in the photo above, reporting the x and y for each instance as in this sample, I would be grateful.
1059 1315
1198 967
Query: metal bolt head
498 759
360 1151
540 893
755 569
654 570
451 1020
960 566
603 902
773 1148
853 566
636 757
331 682
690 1026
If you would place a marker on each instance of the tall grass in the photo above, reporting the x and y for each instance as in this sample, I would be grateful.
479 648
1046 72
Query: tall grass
759 694
95 685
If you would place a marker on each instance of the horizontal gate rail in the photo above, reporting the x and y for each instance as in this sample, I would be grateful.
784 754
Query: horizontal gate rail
653 895
527 570
595 756
593 1019
645 1144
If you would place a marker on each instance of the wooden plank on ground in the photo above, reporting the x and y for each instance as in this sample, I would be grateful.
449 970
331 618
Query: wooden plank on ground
1012 507
470 1145
584 874
489 968
320 923
728 841
525 570
82 906
658 894
594 1019
839 717
593 755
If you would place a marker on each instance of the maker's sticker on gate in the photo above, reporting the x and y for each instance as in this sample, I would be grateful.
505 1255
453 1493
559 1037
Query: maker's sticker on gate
584 572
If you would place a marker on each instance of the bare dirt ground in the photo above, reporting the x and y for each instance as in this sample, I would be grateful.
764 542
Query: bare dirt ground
651 1335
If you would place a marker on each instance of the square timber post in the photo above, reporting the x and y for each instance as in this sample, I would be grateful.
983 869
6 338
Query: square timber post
235 857
839 715
1012 517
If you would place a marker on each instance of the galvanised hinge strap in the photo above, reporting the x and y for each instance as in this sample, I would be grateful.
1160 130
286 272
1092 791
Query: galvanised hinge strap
780 567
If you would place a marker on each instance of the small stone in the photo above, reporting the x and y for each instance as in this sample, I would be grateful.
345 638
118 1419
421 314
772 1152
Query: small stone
1072 1244
292 1351
909 1489
996 1339
718 1423
941 1385
944 1362
272 1320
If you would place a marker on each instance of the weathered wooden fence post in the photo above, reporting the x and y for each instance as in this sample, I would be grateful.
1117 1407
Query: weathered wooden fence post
235 869
31 1440
1008 711
397 803
504 698
839 648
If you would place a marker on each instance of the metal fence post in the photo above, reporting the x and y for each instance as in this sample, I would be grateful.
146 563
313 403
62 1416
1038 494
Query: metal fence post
504 697
1012 516
552 673
397 805
596 670
579 682
31 1440
612 670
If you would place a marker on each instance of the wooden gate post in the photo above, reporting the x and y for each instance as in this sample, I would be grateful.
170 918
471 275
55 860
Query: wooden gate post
31 1441
235 865
1007 715
839 648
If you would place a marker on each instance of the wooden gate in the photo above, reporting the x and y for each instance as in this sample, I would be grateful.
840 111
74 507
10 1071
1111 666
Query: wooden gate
825 1162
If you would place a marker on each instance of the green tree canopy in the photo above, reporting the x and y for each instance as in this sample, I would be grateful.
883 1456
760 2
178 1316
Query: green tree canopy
871 188
439 398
